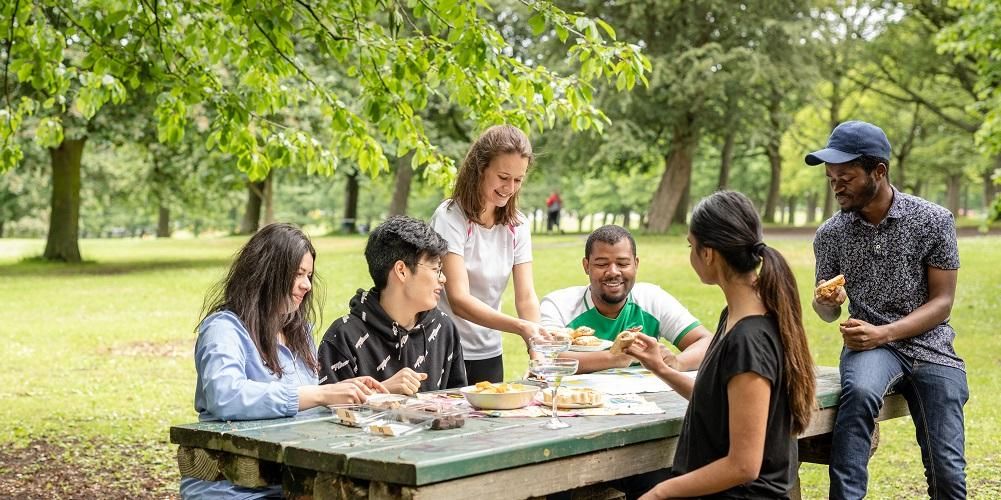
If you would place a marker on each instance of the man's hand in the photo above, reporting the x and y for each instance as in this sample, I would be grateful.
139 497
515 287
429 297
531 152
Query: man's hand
405 381
834 300
862 336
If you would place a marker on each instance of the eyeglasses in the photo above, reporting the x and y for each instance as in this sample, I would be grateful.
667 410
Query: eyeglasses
437 269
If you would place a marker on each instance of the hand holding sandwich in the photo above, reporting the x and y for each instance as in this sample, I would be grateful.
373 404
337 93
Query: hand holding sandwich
659 360
828 298
831 292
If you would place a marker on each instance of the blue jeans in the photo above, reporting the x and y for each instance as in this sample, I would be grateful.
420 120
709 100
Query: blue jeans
935 396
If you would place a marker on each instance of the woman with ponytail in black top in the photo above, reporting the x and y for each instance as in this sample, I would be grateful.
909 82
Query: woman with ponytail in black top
754 392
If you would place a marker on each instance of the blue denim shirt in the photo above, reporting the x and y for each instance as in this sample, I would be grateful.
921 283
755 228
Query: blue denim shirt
234 384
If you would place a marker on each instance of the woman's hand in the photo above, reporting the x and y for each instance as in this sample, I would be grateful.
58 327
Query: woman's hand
351 391
656 493
405 381
670 359
529 330
368 385
648 352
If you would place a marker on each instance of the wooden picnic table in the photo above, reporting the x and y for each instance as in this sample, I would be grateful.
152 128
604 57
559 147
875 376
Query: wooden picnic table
496 458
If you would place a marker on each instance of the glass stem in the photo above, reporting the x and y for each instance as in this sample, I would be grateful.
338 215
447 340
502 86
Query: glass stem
556 390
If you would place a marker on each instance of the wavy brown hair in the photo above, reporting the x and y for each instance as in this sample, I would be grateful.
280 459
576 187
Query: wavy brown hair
727 222
258 289
495 141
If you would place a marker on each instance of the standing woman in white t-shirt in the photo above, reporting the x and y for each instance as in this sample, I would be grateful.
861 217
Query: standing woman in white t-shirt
488 242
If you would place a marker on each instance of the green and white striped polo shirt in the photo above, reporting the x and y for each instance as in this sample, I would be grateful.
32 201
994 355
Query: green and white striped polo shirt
648 306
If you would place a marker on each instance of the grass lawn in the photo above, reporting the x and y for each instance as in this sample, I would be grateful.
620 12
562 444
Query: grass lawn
98 356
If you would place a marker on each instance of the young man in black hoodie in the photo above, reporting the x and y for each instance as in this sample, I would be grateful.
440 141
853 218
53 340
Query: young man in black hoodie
395 332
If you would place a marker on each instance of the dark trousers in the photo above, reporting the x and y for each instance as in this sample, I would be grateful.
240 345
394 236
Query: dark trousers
479 370
553 220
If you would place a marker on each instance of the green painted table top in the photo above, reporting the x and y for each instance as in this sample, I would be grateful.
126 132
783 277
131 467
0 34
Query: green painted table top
312 441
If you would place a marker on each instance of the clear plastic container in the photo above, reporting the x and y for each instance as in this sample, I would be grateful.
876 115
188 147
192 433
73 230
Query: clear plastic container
444 415
400 422
356 415
388 401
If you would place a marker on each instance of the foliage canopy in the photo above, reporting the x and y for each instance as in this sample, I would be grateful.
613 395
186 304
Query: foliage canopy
305 83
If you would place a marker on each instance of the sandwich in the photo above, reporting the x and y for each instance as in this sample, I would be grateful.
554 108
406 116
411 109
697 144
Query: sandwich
830 287
625 339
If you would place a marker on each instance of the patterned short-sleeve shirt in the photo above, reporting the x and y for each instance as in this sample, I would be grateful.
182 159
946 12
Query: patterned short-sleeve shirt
886 268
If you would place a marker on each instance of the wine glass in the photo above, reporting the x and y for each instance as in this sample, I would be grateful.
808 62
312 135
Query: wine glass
551 347
553 370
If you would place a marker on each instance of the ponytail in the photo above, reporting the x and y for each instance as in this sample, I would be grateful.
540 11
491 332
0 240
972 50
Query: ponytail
777 288
727 222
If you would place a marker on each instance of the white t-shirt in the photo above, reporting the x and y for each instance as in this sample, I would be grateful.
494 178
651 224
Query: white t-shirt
489 255
648 305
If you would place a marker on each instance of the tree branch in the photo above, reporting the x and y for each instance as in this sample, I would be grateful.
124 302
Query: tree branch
6 64
315 17
436 14
278 51
917 98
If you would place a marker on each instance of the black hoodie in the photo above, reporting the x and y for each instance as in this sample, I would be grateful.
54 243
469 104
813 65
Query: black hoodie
368 342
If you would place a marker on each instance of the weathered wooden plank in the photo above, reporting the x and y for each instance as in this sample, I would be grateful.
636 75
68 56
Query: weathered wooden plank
823 420
198 463
550 477
817 449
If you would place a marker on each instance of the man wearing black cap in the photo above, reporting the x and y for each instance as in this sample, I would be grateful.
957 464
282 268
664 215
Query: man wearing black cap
900 260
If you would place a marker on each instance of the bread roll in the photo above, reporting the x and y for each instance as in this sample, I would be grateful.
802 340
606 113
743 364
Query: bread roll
622 341
828 288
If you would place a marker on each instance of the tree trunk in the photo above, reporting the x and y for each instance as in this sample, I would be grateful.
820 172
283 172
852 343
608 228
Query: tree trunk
775 162
811 208
792 211
252 211
681 214
677 177
163 223
401 185
990 188
580 221
350 223
726 158
1 228
903 150
834 119
965 207
626 218
953 188
269 198
773 149
62 242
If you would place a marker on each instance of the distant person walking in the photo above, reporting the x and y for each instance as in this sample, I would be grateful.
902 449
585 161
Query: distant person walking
553 206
